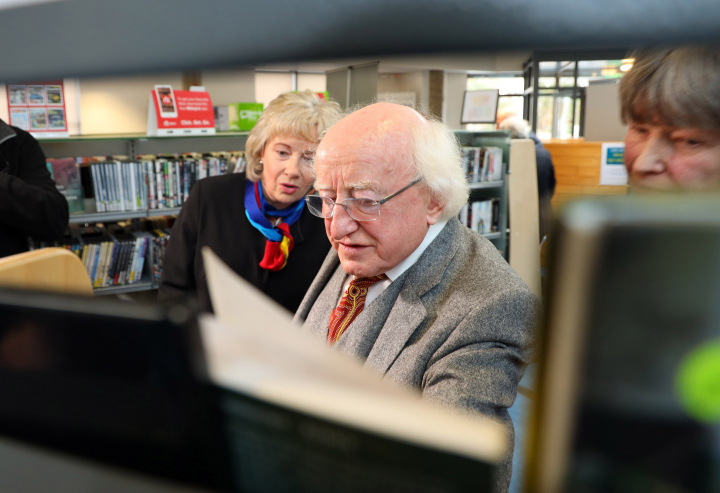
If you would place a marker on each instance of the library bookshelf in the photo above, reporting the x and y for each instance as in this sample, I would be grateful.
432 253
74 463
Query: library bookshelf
132 146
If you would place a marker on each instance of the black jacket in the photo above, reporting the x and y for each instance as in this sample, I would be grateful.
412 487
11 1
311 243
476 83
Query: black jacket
214 216
30 204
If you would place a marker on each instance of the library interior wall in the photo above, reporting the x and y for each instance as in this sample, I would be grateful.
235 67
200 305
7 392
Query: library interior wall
269 85
119 104
454 85
417 81
230 86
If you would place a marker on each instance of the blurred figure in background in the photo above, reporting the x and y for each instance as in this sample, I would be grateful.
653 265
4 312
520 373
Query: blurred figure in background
520 129
30 204
256 221
671 102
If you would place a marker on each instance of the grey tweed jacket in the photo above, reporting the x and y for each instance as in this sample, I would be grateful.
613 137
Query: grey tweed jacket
458 325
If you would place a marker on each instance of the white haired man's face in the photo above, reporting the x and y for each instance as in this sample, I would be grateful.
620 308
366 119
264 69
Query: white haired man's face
367 155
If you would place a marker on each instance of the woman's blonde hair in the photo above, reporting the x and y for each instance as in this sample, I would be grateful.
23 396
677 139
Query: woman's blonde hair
302 114
679 87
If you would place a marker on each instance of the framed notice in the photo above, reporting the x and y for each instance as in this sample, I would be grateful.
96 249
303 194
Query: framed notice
612 164
480 106
38 108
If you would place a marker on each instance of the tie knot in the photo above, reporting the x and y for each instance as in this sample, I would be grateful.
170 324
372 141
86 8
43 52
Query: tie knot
366 282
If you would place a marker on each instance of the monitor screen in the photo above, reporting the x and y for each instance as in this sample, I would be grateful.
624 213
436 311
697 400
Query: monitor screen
121 383
641 406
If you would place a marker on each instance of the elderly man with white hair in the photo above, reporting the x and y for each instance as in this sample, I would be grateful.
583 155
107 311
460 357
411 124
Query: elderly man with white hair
406 288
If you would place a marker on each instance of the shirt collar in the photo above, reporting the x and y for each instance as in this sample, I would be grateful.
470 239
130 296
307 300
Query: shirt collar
431 234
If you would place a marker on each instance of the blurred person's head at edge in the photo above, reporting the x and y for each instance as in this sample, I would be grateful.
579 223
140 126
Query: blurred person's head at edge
671 103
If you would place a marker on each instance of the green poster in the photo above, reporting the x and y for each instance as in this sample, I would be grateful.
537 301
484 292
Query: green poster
243 116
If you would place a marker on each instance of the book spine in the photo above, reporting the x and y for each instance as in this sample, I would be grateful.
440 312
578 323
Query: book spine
133 185
178 181
142 170
95 260
496 215
106 187
104 259
111 263
134 261
150 180
119 197
112 192
186 182
160 185
168 184
141 259
98 202
123 263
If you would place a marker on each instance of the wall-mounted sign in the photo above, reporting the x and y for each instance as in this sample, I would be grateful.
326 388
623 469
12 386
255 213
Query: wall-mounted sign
612 164
38 108
180 112
480 106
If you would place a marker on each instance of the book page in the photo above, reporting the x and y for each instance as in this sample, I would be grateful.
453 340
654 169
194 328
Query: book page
253 347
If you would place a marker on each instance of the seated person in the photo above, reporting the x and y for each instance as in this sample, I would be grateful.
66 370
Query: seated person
30 204
671 103
256 221
520 129
406 287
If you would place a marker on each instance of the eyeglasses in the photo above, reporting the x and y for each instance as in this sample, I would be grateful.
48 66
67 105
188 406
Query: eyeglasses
358 209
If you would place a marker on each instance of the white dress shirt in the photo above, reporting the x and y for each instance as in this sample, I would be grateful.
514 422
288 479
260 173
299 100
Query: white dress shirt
375 290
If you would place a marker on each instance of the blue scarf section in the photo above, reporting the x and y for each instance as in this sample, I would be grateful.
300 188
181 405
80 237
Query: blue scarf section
256 208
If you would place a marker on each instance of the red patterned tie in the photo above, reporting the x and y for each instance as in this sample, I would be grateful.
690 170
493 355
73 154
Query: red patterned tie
351 304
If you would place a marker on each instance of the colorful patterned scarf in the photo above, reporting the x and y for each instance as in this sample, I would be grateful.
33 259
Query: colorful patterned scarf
279 240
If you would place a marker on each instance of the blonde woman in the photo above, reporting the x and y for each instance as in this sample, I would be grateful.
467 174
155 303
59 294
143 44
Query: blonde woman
256 221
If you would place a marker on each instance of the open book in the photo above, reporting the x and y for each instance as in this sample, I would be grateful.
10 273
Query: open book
301 417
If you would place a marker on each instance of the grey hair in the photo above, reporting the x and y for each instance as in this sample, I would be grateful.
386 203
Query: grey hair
518 128
679 87
437 159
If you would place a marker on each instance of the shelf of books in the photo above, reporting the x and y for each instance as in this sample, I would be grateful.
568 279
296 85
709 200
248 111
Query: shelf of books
122 210
486 161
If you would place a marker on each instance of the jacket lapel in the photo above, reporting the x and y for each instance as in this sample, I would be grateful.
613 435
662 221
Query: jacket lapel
318 318
409 310
327 269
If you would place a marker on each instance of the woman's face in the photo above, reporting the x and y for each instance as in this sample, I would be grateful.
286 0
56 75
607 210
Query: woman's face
660 157
287 174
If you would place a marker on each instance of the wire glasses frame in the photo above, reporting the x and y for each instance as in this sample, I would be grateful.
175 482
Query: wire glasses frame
359 209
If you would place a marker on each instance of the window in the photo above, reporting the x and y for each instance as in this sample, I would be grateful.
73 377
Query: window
561 94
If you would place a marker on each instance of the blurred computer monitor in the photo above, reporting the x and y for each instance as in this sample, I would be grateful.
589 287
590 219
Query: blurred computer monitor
629 390
118 383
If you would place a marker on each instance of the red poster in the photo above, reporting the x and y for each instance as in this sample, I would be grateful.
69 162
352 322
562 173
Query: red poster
180 112
38 108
